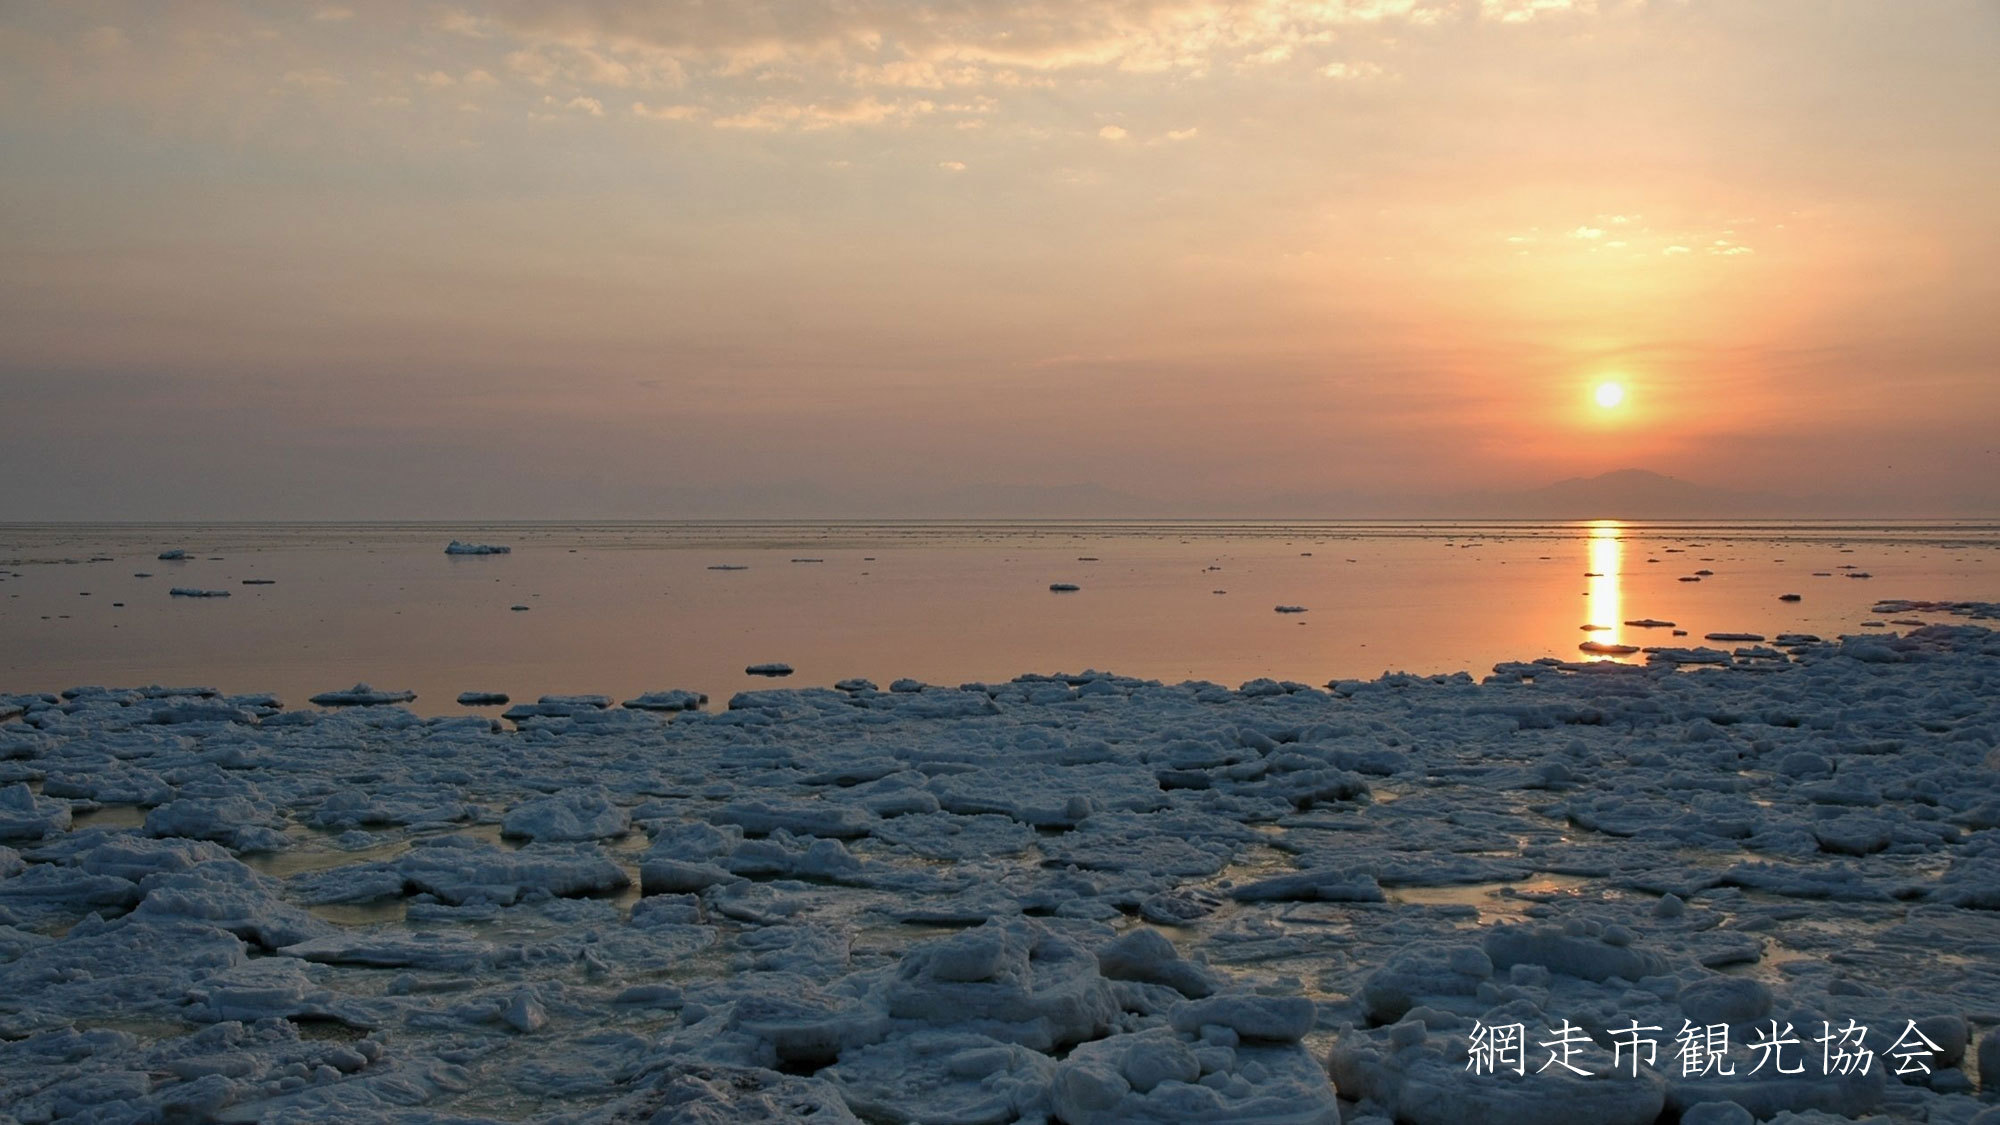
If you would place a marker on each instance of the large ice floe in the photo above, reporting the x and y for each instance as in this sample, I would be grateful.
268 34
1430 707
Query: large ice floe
1083 899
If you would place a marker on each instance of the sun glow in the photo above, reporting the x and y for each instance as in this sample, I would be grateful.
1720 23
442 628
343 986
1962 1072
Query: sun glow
1609 395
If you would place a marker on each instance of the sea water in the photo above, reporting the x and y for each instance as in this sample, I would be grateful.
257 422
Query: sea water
630 607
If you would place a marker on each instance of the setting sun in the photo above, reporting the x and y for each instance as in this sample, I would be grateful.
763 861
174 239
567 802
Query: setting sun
1610 395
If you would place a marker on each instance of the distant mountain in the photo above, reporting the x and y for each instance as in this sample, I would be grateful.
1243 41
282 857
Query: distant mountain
1632 494
1627 494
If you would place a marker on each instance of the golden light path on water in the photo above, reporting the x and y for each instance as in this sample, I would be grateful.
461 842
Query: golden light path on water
1606 610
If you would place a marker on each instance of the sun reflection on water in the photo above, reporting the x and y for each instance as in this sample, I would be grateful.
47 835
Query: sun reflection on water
1606 613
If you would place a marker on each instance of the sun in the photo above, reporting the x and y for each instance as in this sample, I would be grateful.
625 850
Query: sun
1609 395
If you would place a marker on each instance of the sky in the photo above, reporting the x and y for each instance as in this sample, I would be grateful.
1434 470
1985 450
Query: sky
602 259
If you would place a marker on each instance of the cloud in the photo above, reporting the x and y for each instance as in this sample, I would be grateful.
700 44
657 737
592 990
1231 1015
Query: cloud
333 14
952 165
1587 232
105 40
777 115
1352 71
457 21
591 106
1521 11
975 42
666 112
1112 133
316 78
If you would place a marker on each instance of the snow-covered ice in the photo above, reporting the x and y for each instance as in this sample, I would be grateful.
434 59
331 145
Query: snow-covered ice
1078 899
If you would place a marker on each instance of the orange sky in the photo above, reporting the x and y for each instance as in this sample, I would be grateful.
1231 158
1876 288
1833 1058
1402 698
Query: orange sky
614 259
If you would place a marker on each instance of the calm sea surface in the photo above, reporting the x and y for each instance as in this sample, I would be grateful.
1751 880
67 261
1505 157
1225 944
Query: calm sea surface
626 608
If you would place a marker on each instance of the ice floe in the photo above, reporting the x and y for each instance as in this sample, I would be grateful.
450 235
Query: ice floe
455 547
361 695
1060 899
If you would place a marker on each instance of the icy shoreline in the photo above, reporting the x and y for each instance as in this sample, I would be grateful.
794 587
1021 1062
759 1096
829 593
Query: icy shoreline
1084 899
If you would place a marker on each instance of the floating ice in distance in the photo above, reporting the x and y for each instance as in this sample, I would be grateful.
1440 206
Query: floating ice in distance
361 695
482 698
772 669
1289 609
175 555
195 592
456 547
1650 623
1064 587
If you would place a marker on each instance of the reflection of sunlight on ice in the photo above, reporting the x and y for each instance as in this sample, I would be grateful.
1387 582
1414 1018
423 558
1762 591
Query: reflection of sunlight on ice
1607 561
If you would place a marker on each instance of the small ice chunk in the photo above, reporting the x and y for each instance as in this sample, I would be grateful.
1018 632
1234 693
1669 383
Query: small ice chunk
1146 955
196 592
772 669
1577 955
482 698
525 1014
174 555
1271 1019
25 816
1289 609
455 547
580 814
1725 999
361 695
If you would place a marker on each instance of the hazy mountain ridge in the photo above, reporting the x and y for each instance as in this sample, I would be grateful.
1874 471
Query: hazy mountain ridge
1636 494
